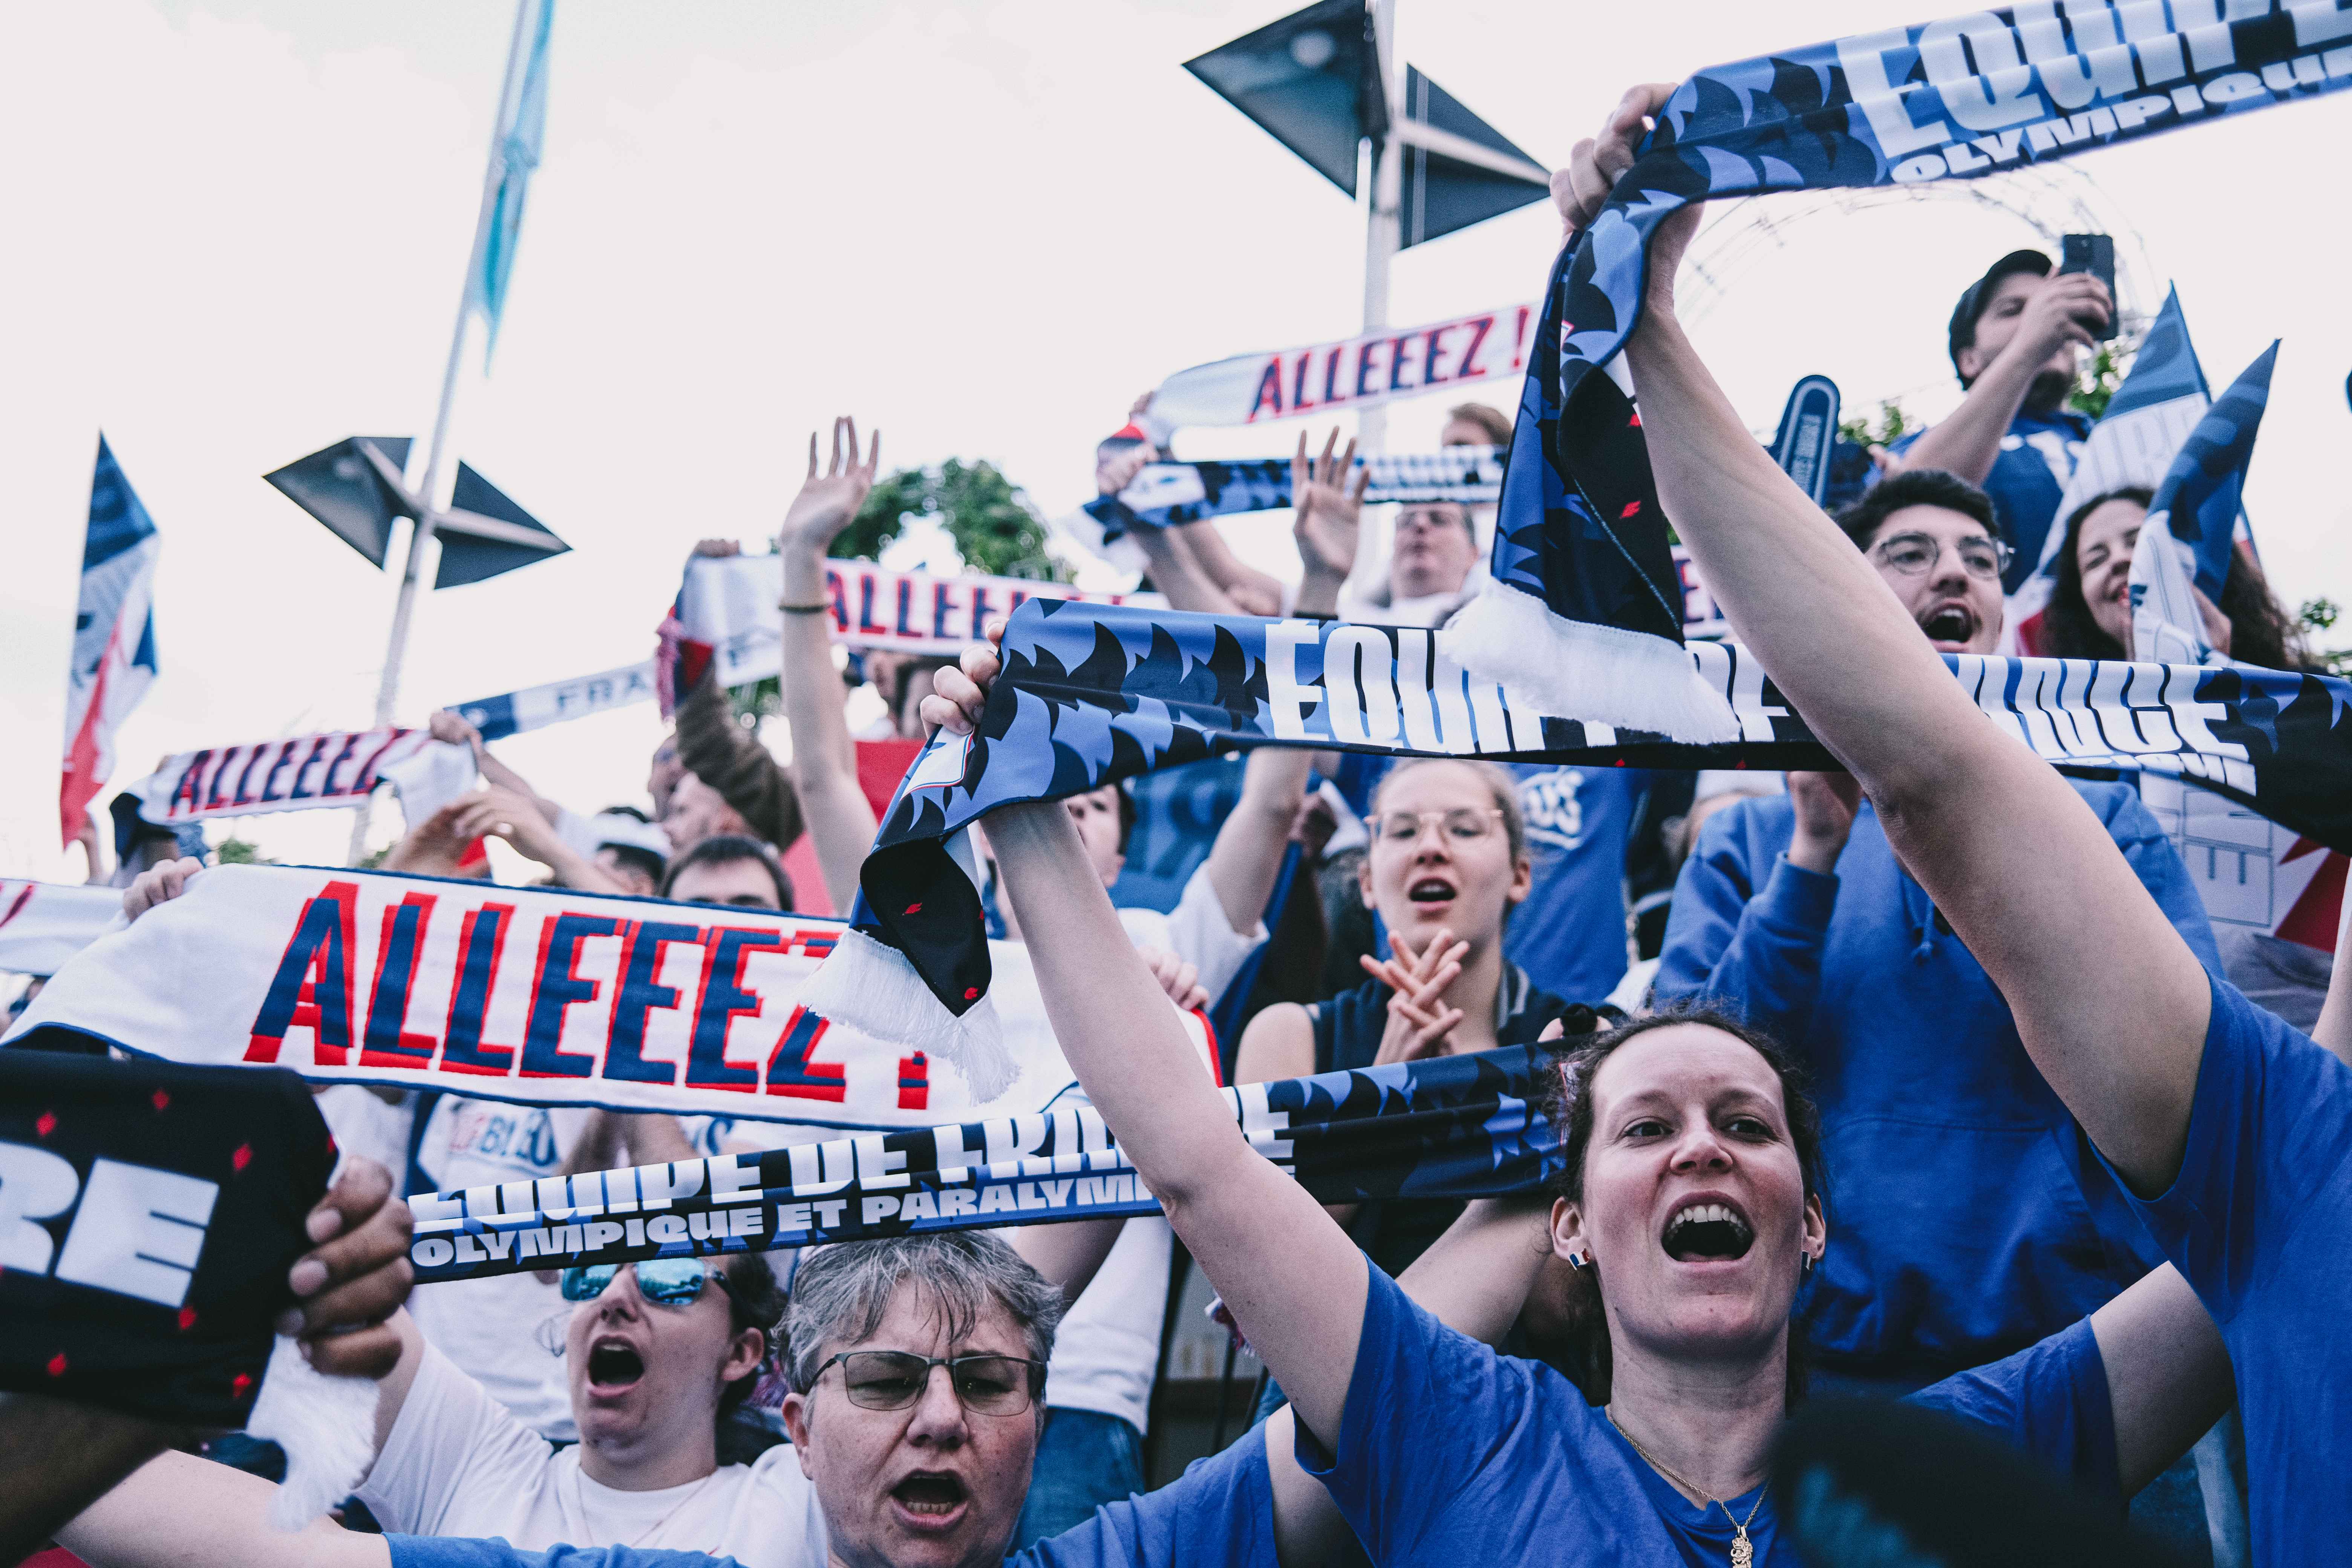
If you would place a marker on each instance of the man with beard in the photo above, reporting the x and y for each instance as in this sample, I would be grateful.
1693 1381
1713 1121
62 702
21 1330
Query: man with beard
1971 1221
2014 339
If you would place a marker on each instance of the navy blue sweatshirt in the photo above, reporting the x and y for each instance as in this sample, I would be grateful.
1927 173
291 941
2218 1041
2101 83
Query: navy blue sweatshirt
1968 1215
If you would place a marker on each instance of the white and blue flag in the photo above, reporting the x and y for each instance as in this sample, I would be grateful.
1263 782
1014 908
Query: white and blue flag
114 636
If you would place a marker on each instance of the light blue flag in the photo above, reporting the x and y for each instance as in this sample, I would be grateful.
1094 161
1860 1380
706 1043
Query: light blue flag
518 153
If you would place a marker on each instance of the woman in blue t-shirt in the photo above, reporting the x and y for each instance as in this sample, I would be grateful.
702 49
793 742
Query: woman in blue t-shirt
1690 1207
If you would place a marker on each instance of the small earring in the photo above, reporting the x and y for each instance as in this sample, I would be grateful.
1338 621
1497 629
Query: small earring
1576 1261
1808 1265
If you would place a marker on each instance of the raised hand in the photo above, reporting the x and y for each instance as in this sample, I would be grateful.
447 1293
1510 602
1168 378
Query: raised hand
1825 804
355 1278
829 501
1581 189
1421 1022
158 885
959 693
1329 506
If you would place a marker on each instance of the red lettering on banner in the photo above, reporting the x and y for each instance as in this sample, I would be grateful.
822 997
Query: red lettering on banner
914 1082
1331 392
905 607
1364 367
317 745
350 748
1479 327
980 611
366 780
1269 390
312 987
1519 340
245 774
867 625
190 785
387 1042
1397 362
269 779
838 595
943 604
211 792
791 1069
1300 402
1429 352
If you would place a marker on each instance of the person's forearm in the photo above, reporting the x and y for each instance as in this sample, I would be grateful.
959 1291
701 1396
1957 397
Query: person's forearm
1208 547
59 1458
1245 858
2169 1376
1968 442
573 870
2024 870
2333 1028
1178 573
1070 1254
498 776
654 1137
180 1511
824 758
1476 1278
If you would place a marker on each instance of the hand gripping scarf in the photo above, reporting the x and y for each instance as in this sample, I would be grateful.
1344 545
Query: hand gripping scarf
1092 693
1450 1127
1579 618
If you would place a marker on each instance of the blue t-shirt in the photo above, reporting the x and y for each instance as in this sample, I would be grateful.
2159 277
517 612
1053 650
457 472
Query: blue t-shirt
1569 933
2028 480
1220 1510
2259 1222
1452 1453
1970 1218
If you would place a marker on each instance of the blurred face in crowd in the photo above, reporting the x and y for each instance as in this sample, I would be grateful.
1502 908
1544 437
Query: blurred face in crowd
1434 551
1946 569
1097 815
1440 856
1997 324
646 1376
1694 1210
1465 433
697 811
2103 551
745 884
933 1484
635 879
662 777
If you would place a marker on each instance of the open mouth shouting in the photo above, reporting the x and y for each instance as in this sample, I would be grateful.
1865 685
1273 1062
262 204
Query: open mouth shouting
1707 1231
1948 621
615 1366
930 1501
1432 895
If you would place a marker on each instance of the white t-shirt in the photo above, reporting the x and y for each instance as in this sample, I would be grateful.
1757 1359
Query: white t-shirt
1108 1347
458 1463
490 1327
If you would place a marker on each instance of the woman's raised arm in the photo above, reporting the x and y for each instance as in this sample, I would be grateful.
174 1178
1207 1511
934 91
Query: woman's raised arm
1293 1281
2110 1002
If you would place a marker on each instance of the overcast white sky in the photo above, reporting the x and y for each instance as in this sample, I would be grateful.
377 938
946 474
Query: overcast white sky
238 229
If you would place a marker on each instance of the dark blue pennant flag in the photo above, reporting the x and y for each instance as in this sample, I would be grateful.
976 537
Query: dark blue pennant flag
2192 523
1578 619
1091 693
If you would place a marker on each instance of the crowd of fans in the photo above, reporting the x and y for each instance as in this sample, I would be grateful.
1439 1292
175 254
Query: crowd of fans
1924 1080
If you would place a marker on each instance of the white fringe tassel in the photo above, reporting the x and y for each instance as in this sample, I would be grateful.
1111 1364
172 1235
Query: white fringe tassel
1574 669
327 1426
870 986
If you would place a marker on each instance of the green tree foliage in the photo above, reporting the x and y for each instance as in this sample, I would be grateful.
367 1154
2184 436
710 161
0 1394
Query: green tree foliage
2098 381
235 851
986 514
2318 616
1893 423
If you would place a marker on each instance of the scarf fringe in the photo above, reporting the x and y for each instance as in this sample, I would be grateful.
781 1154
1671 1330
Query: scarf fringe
327 1426
1577 670
869 986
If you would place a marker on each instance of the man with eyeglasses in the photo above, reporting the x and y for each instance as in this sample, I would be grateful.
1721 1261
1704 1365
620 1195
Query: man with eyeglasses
1970 1222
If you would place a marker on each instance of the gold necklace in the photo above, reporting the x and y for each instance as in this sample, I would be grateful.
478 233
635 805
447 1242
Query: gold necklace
1743 1551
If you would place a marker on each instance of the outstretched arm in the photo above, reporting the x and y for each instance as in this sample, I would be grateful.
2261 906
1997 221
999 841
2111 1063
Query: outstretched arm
2109 1000
2333 1028
824 759
1293 1282
180 1511
2169 1376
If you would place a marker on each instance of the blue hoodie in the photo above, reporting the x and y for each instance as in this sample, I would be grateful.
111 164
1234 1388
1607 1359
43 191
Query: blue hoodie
1968 1215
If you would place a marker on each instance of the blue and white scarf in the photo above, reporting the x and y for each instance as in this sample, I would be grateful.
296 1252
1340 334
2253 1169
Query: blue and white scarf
1166 494
1580 617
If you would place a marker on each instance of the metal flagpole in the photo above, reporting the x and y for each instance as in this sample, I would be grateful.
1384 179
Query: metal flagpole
440 471
1380 236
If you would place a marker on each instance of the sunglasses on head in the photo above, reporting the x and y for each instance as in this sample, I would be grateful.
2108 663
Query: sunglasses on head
672 1281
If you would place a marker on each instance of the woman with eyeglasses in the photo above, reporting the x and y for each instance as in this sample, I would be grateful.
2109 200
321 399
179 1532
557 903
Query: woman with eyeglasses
1971 1223
656 1353
1448 863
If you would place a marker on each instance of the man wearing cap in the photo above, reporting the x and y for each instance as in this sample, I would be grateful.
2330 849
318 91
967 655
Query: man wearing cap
2015 338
